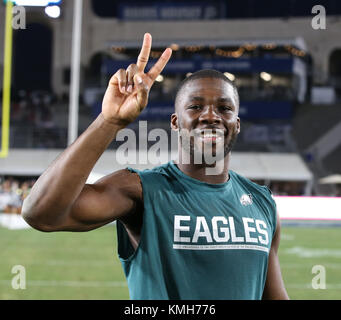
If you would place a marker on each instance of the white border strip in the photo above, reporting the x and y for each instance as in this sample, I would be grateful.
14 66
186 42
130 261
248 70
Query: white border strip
309 208
220 247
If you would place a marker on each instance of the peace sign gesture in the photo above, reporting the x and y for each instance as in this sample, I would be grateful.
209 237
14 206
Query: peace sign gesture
128 89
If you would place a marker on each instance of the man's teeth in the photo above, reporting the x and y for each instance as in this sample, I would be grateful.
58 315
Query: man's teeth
210 135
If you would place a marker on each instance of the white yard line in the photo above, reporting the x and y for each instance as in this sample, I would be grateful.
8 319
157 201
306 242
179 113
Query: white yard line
309 265
303 252
331 286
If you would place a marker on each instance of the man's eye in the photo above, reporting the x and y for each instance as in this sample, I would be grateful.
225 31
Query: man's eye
195 107
225 108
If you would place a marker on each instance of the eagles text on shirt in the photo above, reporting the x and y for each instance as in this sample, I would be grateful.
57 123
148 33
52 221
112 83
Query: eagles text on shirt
219 233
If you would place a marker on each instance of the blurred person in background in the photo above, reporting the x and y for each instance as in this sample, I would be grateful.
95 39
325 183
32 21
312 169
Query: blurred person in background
10 200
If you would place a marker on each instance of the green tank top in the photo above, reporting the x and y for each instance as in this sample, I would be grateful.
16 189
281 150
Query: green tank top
199 240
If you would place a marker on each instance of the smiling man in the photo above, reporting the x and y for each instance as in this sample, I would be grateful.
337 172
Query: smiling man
206 116
184 232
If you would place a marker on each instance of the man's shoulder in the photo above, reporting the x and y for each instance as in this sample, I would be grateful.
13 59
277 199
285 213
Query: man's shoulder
162 169
259 194
248 183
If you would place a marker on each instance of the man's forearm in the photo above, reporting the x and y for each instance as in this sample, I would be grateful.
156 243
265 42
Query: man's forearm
59 186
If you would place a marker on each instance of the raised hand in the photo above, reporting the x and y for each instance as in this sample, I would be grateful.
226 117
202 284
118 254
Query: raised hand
128 89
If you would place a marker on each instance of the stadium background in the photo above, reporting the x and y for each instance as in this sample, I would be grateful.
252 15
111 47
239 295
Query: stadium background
289 79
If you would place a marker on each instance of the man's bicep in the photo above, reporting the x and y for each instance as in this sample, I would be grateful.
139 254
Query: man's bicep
112 197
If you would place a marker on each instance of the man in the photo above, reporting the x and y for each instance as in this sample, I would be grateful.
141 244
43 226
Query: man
182 233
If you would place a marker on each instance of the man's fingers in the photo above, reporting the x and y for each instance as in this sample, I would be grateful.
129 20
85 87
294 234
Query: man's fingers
143 57
160 64
131 71
142 90
120 79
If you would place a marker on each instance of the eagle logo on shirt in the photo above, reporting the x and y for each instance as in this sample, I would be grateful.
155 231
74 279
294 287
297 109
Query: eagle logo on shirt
246 199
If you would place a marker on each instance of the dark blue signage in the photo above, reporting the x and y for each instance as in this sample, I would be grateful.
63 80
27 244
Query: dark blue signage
241 65
191 10
265 110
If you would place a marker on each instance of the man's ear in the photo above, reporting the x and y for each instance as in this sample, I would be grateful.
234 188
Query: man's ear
238 125
174 122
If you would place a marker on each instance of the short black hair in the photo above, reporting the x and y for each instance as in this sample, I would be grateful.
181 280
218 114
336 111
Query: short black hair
206 73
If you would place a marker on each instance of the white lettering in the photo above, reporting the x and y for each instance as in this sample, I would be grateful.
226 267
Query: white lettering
234 238
220 230
126 152
201 222
225 231
262 240
249 229
19 280
319 281
160 149
319 21
143 143
141 310
178 228
19 17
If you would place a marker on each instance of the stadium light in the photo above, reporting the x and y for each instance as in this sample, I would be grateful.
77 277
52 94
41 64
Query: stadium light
174 46
53 11
159 78
230 76
265 76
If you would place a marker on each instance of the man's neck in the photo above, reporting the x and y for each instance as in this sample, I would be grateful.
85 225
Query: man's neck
217 173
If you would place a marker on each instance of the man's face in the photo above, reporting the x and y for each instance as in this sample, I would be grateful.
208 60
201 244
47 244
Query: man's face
207 118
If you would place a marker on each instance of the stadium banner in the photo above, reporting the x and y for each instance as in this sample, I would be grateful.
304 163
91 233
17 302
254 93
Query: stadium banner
265 110
233 65
185 10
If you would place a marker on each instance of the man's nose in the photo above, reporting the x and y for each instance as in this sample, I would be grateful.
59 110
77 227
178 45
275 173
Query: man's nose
209 116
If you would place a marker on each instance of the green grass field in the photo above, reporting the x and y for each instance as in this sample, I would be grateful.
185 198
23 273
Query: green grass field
85 265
